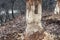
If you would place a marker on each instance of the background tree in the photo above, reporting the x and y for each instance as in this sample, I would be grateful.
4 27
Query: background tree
1 19
4 6
13 1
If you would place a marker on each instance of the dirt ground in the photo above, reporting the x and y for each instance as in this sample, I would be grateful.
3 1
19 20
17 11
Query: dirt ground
52 23
13 30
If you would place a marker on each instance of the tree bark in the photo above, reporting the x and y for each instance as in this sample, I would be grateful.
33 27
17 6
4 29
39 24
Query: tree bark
13 1
33 16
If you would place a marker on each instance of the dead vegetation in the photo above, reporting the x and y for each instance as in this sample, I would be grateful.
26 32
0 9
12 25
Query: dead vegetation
51 24
13 30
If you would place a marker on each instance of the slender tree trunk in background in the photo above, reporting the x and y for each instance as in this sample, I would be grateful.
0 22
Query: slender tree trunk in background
1 20
7 16
33 16
12 10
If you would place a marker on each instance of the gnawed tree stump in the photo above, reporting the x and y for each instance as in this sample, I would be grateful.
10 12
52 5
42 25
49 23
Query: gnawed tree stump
33 16
33 19
34 29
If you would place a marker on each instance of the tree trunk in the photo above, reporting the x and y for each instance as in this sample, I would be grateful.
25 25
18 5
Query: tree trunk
34 29
33 16
7 16
1 20
57 10
12 10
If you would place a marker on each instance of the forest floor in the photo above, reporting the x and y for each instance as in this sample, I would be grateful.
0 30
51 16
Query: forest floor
13 30
52 23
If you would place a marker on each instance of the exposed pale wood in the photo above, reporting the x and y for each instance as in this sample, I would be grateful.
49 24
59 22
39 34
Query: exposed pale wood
57 8
33 18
